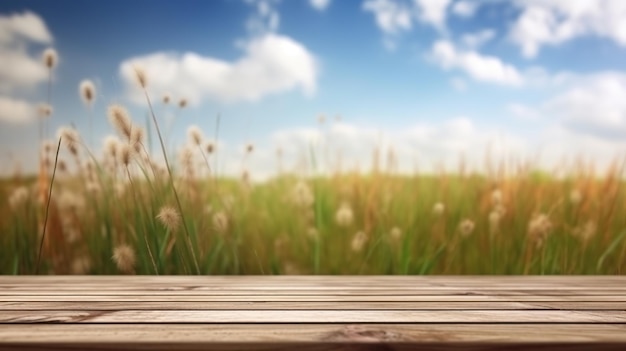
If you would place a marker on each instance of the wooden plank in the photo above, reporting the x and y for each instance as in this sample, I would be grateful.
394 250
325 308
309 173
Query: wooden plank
311 305
210 289
255 333
313 316
212 286
312 313
282 305
312 298
288 292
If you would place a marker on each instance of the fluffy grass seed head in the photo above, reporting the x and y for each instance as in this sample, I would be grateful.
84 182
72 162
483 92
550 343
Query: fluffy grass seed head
44 110
166 99
438 208
344 215
70 138
169 217
87 91
194 134
140 75
48 146
124 258
112 146
466 227
575 196
70 201
539 228
62 166
182 103
249 148
68 135
124 154
18 197
137 137
220 222
119 118
496 197
302 195
586 231
186 159
358 241
209 147
395 234
50 58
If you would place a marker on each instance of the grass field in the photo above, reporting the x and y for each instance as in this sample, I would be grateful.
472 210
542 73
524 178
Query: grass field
124 212
345 224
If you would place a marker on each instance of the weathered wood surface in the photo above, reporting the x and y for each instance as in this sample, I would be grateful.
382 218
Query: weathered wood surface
313 312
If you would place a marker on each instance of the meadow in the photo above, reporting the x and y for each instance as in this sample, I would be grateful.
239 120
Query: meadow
125 211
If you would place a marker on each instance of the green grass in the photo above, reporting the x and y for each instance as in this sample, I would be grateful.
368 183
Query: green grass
268 234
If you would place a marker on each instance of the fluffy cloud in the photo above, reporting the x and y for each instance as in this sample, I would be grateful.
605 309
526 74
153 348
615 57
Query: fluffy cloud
430 144
271 64
476 40
479 67
433 12
594 105
394 17
265 19
465 8
560 147
320 5
15 110
26 26
551 22
584 106
20 70
523 111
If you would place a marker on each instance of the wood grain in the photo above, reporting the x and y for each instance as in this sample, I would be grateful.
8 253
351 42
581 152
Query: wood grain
312 312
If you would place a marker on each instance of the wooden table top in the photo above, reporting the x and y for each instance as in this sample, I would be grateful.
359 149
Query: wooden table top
312 312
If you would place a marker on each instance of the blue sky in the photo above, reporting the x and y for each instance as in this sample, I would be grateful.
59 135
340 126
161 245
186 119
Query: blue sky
433 78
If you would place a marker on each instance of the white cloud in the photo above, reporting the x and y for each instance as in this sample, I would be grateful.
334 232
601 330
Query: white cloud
476 40
19 69
434 12
271 64
392 17
265 19
523 111
479 67
558 144
319 5
349 146
552 22
429 144
15 111
594 105
465 8
26 26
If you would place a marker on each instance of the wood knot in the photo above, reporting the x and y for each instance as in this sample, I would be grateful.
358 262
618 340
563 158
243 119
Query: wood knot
363 334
